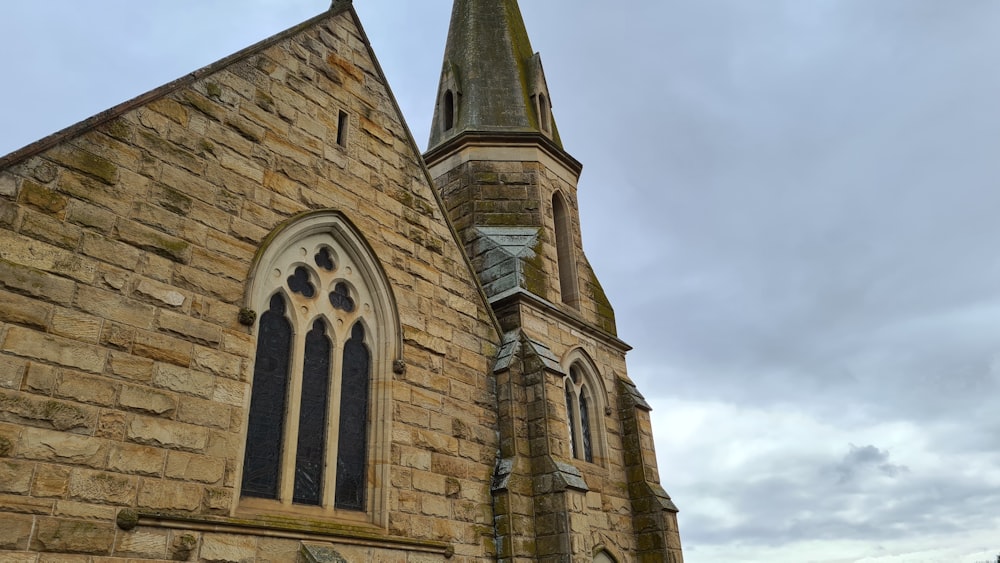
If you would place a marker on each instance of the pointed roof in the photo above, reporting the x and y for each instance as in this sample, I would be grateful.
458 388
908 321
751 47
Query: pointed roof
490 77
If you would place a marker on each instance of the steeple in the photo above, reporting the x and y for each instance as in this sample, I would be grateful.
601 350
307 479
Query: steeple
491 80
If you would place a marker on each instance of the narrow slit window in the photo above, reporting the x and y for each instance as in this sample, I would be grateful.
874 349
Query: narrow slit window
342 123
564 252
544 114
448 110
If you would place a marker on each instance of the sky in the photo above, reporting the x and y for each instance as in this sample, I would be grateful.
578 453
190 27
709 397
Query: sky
792 205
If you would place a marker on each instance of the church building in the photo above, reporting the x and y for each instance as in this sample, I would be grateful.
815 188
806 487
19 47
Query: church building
244 318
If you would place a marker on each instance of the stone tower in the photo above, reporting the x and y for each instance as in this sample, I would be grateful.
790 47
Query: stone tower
577 475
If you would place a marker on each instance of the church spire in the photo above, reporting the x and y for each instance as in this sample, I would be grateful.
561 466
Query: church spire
491 80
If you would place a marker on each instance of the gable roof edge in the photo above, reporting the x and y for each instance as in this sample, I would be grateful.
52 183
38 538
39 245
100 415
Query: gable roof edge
427 175
94 121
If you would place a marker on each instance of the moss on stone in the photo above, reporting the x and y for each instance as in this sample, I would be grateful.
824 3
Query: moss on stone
213 90
6 446
605 312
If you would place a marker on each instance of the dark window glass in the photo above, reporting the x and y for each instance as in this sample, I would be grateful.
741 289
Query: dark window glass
310 453
324 259
449 110
588 451
340 298
267 404
569 418
299 283
352 458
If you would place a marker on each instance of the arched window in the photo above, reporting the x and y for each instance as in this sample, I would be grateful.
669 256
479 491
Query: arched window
325 342
579 416
544 114
586 400
564 251
448 110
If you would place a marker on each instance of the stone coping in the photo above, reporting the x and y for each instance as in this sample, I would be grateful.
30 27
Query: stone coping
285 527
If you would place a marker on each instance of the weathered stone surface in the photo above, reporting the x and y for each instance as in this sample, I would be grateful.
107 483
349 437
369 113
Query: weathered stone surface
161 347
189 328
15 476
161 293
76 325
31 409
188 467
146 544
11 372
35 345
73 536
86 389
168 495
49 445
50 481
147 400
133 458
183 380
226 548
167 433
34 282
15 531
23 310
102 487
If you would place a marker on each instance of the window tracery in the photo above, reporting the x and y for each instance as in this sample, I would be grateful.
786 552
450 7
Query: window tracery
325 341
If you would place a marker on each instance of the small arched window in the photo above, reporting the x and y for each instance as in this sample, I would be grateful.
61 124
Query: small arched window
544 114
324 342
579 415
448 110
564 251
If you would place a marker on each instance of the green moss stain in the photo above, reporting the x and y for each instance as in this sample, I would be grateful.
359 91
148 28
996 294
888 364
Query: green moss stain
213 90
41 198
87 163
6 446
533 270
119 129
605 313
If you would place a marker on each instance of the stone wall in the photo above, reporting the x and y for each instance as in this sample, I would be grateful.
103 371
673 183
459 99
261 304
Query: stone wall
125 244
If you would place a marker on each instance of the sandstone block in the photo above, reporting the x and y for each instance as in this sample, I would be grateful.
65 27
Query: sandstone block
161 293
168 495
230 392
48 445
50 481
25 505
15 531
151 544
204 413
131 367
102 487
87 215
86 389
115 307
190 328
50 229
76 325
36 283
147 400
8 185
73 536
167 433
133 458
15 476
110 425
183 380
38 255
25 408
86 162
217 363
188 467
35 345
40 378
11 372
151 240
227 548
111 251
208 284
83 511
161 347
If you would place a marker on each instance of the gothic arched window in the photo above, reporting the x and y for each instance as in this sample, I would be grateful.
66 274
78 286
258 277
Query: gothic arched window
565 260
324 342
579 415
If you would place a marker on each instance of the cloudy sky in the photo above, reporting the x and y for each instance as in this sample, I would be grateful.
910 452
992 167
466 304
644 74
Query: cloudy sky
793 204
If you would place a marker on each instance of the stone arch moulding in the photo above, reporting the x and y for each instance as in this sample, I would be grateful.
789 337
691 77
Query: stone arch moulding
356 279
579 359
